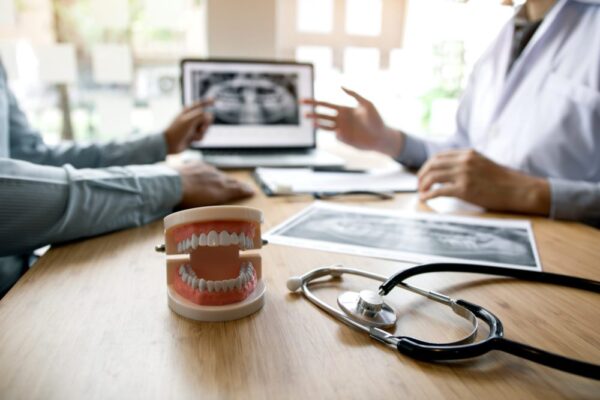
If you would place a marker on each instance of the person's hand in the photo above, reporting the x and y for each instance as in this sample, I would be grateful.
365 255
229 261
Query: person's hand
468 175
360 126
190 125
204 185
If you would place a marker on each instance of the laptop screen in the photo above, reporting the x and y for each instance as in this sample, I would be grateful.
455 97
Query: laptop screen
255 103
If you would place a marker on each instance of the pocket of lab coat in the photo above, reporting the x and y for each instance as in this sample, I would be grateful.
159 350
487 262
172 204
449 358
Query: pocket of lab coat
574 91
566 121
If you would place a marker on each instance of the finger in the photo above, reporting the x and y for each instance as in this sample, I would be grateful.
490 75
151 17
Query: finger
436 164
203 103
317 103
197 106
356 96
449 189
326 117
248 191
191 112
239 189
245 189
452 153
198 132
206 123
193 116
204 167
433 177
324 125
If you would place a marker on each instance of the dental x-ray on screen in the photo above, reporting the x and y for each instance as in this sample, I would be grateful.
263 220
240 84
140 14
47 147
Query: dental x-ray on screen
244 98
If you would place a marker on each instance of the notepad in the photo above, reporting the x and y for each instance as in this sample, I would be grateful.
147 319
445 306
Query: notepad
284 181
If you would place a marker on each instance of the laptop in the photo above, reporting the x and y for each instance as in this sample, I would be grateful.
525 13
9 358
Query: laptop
258 121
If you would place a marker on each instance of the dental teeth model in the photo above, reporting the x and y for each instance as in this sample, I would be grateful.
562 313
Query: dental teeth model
211 273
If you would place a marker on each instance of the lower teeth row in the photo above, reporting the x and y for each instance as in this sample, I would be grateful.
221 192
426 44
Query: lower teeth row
188 275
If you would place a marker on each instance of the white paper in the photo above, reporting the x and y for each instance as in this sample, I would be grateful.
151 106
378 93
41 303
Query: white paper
57 63
414 237
110 14
7 13
305 180
114 115
111 63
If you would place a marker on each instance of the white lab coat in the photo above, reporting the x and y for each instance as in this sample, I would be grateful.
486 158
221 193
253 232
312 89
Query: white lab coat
543 117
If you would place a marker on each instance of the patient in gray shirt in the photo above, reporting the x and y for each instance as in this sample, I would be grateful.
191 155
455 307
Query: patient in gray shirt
53 194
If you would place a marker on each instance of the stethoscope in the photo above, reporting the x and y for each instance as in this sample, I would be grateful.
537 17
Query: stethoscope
368 312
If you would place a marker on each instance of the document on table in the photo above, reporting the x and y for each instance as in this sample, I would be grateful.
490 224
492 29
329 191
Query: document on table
281 181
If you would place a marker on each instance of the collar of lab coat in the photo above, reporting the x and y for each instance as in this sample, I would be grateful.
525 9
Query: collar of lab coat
509 82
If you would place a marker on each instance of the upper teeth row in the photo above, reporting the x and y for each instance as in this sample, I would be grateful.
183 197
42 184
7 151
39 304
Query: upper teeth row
214 238
188 275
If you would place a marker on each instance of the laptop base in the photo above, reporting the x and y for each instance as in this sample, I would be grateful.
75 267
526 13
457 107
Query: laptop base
283 158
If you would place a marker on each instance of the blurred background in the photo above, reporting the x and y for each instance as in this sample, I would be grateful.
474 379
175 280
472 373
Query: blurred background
103 69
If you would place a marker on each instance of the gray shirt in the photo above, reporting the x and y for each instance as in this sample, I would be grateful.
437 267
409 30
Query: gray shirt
54 194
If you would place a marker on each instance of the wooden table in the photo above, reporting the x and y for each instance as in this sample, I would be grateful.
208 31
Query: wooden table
91 321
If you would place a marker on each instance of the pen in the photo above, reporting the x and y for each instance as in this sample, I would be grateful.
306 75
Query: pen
340 170
327 195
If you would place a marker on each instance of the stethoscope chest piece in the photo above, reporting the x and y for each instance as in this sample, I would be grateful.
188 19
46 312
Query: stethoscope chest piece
367 307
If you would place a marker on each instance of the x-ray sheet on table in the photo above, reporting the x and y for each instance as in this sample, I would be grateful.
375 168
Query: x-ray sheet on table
413 237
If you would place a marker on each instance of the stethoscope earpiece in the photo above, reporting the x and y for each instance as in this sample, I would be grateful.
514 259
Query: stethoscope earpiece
294 283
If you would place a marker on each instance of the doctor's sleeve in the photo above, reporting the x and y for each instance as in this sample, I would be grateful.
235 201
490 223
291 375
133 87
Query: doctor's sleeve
574 200
45 205
27 144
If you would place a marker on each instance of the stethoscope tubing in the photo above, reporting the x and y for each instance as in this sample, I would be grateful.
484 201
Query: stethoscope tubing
464 348
533 276
496 340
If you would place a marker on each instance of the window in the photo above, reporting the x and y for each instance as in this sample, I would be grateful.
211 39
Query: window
410 57
361 60
320 56
315 16
363 17
104 68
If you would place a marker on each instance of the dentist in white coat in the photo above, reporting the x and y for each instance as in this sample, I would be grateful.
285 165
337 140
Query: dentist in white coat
528 126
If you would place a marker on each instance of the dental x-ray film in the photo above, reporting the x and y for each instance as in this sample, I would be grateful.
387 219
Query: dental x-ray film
414 237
